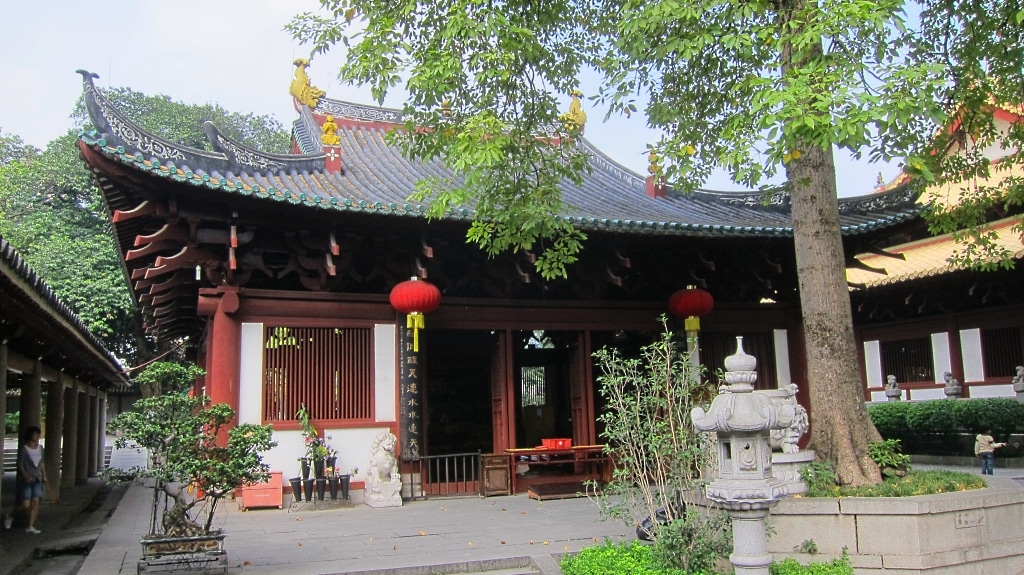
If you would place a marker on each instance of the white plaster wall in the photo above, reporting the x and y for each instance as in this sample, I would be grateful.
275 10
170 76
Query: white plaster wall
970 350
940 356
878 397
873 363
782 373
993 391
385 380
285 456
250 400
934 393
353 446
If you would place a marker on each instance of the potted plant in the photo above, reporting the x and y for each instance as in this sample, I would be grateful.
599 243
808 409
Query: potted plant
317 450
193 464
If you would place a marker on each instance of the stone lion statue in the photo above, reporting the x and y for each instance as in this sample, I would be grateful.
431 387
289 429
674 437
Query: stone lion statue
383 464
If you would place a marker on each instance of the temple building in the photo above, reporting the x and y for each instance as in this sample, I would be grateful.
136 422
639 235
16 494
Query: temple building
283 269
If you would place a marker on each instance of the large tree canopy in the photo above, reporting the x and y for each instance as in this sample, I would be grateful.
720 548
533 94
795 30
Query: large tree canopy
52 213
752 87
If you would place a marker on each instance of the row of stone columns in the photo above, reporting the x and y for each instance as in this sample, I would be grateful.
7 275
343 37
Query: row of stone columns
75 419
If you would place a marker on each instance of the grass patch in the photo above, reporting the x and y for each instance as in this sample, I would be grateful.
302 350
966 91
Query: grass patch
914 483
632 558
788 566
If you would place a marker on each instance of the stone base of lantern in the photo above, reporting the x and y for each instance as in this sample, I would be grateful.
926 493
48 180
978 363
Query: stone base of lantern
750 539
786 468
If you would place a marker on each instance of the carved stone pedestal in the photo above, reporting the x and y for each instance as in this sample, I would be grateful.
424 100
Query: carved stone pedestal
786 468
385 494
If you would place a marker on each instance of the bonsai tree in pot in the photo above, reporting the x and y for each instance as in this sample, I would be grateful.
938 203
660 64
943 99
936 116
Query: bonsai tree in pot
193 464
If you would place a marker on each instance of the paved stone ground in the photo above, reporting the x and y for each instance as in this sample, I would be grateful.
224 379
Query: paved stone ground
470 534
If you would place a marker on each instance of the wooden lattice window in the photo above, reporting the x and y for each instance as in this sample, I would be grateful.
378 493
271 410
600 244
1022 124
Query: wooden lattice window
329 370
534 386
715 347
1002 351
910 360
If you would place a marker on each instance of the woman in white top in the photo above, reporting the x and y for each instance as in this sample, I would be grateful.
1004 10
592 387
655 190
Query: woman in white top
30 480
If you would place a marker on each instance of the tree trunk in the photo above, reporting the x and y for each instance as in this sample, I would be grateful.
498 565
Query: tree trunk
841 428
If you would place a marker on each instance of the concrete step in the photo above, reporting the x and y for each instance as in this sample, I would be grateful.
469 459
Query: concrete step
507 566
511 571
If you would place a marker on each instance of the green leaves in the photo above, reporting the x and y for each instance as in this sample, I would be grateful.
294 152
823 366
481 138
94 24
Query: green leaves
167 377
500 70
659 455
181 434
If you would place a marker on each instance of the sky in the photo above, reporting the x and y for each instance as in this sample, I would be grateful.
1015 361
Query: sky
234 53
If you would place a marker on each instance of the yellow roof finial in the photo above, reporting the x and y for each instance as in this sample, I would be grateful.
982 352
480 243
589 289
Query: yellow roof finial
654 167
303 91
330 132
575 119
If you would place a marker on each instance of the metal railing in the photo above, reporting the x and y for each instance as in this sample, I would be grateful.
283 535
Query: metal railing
453 475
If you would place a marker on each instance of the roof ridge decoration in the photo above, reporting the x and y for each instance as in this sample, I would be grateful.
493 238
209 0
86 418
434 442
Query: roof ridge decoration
301 88
244 155
229 154
341 109
900 197
110 121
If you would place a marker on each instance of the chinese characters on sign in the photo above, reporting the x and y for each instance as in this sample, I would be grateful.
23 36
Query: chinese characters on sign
410 405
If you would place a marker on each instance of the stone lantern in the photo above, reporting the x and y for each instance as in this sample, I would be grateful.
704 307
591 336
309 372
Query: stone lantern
743 418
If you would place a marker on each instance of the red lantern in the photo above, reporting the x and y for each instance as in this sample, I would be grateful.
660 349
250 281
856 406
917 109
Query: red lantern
691 303
415 298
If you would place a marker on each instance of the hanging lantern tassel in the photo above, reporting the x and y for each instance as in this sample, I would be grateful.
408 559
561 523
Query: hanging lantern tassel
691 323
415 322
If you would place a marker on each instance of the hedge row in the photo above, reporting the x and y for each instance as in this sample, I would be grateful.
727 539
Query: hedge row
939 425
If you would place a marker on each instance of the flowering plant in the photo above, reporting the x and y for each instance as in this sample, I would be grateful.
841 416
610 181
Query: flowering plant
316 446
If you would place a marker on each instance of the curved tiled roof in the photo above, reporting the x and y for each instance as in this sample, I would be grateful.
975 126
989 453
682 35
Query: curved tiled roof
929 257
22 283
378 178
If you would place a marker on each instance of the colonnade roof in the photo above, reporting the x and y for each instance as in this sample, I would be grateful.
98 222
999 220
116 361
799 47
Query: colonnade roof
35 323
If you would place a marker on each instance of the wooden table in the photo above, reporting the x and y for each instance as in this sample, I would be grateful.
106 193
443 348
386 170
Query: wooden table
569 466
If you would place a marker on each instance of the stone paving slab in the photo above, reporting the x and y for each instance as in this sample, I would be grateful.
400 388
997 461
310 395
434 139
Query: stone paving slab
358 539
427 533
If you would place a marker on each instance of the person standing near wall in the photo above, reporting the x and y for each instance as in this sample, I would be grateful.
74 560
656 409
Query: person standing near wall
31 477
985 448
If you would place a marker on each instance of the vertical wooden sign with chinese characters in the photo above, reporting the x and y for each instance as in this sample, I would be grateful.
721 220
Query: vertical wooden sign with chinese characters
410 404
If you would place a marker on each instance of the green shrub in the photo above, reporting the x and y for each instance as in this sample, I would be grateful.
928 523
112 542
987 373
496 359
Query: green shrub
934 416
790 566
890 418
820 476
633 558
890 458
944 426
694 543
914 483
11 422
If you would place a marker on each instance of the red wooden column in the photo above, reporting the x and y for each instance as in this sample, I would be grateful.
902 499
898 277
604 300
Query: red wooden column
223 352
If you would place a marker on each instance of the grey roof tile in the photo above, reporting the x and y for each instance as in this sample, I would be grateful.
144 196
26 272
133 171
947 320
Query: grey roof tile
377 178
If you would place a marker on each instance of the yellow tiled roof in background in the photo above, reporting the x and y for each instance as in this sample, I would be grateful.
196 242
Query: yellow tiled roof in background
927 257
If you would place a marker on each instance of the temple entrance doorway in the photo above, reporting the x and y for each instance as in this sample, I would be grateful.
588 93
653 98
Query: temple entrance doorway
543 406
458 394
